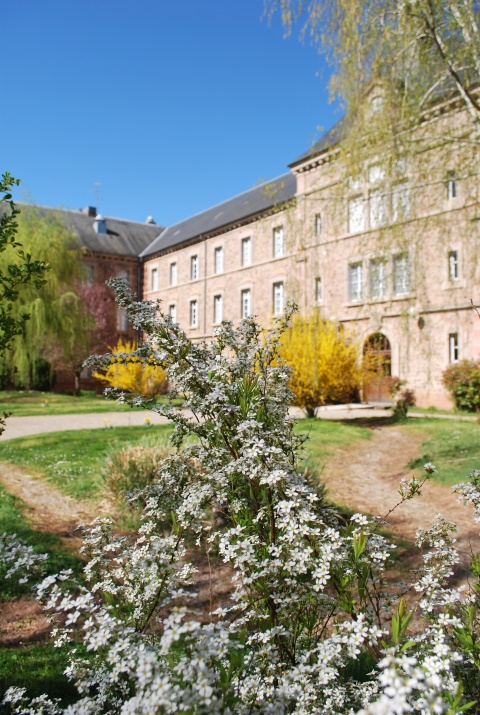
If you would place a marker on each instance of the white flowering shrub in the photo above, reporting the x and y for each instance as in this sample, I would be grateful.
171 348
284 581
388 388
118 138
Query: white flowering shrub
311 626
18 559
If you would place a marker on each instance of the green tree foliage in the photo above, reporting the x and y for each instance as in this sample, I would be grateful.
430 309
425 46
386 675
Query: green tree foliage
324 365
17 268
406 54
53 305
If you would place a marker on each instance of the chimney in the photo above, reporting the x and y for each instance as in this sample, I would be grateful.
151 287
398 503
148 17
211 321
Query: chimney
89 210
100 225
150 219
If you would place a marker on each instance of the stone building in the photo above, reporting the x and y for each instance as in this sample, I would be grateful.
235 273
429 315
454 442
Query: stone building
391 255
107 247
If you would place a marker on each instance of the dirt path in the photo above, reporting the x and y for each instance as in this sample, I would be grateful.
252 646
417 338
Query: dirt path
23 620
47 509
366 477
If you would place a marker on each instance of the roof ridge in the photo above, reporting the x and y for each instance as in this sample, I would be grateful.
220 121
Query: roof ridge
79 212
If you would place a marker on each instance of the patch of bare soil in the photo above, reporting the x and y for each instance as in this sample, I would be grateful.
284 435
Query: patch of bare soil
366 478
46 508
22 621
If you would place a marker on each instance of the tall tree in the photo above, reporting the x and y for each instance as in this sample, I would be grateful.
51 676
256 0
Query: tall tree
17 270
49 306
411 53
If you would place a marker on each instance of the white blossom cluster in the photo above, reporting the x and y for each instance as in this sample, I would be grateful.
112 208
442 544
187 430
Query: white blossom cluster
19 559
310 626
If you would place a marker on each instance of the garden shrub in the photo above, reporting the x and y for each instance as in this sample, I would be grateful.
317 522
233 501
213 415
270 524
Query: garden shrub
403 396
131 467
462 380
125 371
311 626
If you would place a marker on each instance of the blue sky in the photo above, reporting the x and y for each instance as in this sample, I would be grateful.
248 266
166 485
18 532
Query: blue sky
168 106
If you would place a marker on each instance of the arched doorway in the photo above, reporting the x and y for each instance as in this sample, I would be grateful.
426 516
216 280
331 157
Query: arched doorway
377 356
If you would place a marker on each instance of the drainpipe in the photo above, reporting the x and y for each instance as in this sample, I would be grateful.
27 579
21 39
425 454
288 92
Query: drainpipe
204 287
139 289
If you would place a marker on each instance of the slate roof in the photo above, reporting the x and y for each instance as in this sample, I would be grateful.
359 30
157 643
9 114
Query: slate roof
248 204
123 237
327 141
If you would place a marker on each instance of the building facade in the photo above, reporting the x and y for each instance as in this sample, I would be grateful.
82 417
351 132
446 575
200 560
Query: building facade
391 255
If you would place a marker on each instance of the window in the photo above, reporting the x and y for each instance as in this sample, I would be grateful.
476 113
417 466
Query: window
378 278
355 215
355 282
376 173
246 304
154 279
89 271
217 308
246 251
124 275
122 320
318 290
277 298
194 268
218 260
401 202
318 224
377 208
173 274
172 311
194 313
278 242
453 350
377 104
453 265
401 274
451 185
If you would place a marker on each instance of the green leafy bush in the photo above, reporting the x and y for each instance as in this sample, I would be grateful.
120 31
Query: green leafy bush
462 380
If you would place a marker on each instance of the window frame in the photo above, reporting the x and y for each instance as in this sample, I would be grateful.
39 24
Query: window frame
356 202
218 264
194 268
357 297
244 293
154 279
193 313
453 348
278 232
247 241
217 301
278 286
453 266
172 311
173 273
382 283
318 293
398 292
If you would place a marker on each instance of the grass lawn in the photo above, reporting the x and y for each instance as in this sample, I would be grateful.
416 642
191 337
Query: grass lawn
25 403
37 668
452 446
325 436
72 460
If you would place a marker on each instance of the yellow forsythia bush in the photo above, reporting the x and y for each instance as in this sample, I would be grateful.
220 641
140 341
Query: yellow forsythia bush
133 377
324 365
